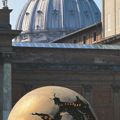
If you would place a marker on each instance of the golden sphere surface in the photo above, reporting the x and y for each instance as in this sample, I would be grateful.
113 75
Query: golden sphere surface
41 100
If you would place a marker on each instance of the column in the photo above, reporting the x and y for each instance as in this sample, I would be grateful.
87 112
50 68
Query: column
88 95
116 102
7 98
6 36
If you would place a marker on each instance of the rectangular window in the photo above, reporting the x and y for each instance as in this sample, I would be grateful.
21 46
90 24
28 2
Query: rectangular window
84 39
94 36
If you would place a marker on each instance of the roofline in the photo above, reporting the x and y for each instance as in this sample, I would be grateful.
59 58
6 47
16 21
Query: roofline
65 46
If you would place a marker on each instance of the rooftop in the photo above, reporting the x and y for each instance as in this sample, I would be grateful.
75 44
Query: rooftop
65 46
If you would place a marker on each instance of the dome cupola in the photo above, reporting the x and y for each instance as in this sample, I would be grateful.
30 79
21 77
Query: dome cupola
47 20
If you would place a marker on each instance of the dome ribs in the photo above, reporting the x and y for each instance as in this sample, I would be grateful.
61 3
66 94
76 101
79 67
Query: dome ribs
47 20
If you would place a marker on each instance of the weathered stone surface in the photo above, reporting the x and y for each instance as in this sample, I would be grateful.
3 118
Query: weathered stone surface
7 84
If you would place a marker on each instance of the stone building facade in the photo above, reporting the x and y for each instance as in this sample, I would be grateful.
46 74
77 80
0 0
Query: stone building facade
111 18
90 35
91 70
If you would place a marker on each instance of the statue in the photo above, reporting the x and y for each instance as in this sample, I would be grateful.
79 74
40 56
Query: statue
5 2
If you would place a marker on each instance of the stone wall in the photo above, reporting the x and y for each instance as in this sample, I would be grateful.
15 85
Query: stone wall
94 73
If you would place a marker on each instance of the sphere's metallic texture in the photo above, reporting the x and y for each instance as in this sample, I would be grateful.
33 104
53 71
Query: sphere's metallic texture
46 20
53 102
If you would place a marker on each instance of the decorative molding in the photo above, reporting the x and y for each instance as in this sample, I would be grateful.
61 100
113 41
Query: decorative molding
67 67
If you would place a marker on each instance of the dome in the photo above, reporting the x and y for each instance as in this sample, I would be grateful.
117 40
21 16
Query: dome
52 103
46 20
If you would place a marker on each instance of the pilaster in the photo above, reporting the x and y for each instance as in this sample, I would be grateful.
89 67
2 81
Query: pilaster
1 93
88 92
7 85
116 101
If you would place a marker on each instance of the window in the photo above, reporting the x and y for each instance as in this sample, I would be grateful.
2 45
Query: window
94 36
39 20
75 41
84 39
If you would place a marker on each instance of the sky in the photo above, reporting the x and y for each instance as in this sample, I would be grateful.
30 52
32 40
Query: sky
17 6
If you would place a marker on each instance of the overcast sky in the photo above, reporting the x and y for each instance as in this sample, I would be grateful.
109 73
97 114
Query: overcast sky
17 6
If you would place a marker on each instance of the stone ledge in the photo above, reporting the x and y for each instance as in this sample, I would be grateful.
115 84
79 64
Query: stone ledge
66 67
